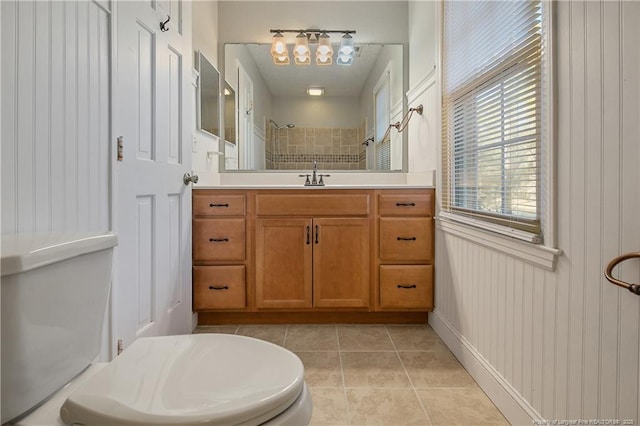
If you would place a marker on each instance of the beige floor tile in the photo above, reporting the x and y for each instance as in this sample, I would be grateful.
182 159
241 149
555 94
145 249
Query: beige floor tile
385 407
415 338
364 338
435 369
329 407
460 407
270 333
225 329
373 370
321 369
311 338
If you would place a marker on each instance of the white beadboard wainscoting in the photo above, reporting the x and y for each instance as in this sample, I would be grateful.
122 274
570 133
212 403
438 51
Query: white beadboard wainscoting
56 119
564 344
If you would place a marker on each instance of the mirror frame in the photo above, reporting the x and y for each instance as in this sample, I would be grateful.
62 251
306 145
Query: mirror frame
403 135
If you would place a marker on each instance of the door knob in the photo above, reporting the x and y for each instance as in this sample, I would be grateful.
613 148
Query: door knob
188 178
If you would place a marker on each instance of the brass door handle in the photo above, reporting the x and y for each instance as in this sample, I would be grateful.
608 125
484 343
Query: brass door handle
633 288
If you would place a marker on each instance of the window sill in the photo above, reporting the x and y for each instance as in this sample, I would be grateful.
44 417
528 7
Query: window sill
535 254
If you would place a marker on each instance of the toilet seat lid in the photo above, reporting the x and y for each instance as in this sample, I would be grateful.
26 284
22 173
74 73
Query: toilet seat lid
203 379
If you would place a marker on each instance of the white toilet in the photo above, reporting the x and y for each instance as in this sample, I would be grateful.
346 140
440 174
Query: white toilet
54 295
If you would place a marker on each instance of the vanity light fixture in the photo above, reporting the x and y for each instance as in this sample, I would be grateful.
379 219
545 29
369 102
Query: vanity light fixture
301 51
346 52
315 37
324 51
315 91
279 51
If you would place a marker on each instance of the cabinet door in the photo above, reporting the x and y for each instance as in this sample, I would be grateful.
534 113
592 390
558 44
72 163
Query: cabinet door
283 263
341 263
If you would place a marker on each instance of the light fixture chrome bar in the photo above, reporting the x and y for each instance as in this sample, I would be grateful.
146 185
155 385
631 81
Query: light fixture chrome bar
314 30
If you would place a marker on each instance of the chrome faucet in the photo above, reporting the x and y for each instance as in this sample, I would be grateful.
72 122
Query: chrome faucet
314 176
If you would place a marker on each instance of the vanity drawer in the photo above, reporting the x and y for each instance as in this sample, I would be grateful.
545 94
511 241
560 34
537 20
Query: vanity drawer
219 205
312 204
218 287
409 238
218 239
406 286
409 204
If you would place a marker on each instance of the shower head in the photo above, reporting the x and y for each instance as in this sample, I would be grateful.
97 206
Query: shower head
288 126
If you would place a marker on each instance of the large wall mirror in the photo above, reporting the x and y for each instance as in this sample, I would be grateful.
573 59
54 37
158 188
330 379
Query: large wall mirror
279 126
208 96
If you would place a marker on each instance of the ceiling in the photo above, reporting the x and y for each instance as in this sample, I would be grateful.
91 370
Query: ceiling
293 80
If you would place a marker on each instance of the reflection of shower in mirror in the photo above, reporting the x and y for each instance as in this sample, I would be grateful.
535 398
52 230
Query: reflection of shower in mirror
288 126
273 156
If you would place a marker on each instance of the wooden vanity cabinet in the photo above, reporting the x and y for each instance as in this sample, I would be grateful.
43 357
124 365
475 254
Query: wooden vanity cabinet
312 255
219 251
304 263
312 261
405 249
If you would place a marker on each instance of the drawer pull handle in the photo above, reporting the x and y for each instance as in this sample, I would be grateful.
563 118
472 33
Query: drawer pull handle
406 286
218 240
211 287
317 233
406 238
219 205
308 235
405 204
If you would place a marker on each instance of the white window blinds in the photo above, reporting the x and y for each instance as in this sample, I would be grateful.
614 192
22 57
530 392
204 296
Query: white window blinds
492 112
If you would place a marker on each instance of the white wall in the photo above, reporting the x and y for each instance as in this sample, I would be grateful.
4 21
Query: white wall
205 39
564 344
250 21
321 111
423 136
56 121
422 40
205 29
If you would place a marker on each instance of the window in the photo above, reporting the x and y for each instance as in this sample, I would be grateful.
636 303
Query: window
493 120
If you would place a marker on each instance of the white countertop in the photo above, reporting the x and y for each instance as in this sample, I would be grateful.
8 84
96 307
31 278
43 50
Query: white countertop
337 180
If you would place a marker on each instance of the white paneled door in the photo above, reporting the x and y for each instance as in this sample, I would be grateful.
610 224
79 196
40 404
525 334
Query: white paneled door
152 290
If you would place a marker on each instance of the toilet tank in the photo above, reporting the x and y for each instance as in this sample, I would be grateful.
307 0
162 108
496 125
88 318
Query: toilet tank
55 288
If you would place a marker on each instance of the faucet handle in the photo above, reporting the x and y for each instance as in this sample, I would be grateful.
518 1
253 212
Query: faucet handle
321 182
307 181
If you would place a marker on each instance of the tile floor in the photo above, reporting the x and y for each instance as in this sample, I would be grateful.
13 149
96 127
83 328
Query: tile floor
379 375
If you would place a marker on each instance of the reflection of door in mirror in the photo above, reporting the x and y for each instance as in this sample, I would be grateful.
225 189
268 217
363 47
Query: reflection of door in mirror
250 153
229 114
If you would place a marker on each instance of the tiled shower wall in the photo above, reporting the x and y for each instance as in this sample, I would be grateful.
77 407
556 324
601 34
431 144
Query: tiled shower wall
295 149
